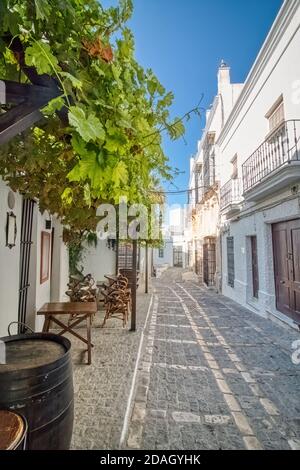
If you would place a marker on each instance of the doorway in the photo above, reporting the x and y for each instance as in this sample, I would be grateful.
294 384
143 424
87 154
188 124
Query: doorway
209 262
286 252
177 257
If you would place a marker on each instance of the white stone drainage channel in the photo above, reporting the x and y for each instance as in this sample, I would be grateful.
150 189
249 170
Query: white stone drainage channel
139 410
134 378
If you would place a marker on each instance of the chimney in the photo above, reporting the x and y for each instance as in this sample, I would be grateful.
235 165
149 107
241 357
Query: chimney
223 76
208 113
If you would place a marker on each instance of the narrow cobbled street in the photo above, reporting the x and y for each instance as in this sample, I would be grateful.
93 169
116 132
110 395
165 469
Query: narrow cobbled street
213 375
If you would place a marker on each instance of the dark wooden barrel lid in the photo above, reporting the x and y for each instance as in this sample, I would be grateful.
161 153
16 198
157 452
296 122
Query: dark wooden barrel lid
12 428
29 353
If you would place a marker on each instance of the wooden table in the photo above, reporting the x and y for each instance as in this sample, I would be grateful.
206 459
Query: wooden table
80 311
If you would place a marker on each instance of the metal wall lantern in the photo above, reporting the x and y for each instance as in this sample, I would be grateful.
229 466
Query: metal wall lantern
48 224
11 230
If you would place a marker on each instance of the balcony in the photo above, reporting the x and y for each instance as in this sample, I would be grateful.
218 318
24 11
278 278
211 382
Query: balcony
230 197
209 173
275 164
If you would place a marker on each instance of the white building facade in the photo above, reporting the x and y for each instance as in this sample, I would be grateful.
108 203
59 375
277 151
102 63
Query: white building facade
260 179
205 175
173 253
175 233
34 266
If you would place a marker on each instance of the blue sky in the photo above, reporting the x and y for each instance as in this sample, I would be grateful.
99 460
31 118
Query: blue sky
183 41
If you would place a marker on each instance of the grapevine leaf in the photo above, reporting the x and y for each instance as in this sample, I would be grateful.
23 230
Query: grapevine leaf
90 168
75 173
167 100
75 82
42 9
120 174
54 105
78 144
87 194
89 127
87 168
67 196
176 129
39 55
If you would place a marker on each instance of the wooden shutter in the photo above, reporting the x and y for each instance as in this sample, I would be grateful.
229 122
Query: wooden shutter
230 261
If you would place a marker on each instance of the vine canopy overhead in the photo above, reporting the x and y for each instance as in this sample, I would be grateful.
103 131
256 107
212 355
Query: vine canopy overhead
101 138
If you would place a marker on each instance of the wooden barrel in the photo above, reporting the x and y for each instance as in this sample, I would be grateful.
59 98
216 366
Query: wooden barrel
13 431
37 382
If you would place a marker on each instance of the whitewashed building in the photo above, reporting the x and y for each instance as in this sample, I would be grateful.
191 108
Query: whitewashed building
260 178
172 254
205 175
34 264
174 249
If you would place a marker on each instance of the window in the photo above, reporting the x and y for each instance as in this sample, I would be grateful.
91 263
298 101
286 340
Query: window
230 261
209 168
255 278
276 114
234 174
161 253
198 183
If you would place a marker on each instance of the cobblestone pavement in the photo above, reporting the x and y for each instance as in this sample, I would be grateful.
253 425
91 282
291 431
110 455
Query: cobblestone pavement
214 376
102 389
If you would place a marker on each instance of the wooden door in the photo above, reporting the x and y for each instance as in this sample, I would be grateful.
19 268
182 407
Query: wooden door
177 257
295 268
124 256
286 248
209 262
255 278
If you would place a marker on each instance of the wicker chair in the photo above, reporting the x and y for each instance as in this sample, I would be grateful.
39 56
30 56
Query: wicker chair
117 300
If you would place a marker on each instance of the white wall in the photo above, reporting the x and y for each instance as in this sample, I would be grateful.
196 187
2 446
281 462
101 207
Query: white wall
54 288
168 254
60 265
259 224
9 263
43 291
99 261
38 294
181 240
276 72
206 217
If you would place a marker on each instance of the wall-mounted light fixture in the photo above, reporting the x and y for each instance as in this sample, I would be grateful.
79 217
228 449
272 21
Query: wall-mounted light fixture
48 222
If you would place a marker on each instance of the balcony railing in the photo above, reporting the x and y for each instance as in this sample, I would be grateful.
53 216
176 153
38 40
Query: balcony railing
280 148
230 193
